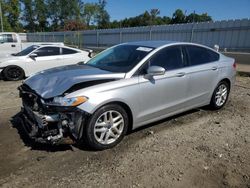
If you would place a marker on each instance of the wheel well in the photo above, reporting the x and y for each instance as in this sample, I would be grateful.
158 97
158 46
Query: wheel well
129 112
15 66
227 81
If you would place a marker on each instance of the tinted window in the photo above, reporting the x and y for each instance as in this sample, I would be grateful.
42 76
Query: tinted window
48 51
169 58
198 55
68 51
120 58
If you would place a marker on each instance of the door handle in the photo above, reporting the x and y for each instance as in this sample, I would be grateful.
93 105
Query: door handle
214 68
13 45
180 74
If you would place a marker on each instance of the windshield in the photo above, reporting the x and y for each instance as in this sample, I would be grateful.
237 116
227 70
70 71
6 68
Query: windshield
26 51
121 58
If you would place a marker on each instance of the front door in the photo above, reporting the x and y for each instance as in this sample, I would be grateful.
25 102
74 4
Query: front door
47 57
164 94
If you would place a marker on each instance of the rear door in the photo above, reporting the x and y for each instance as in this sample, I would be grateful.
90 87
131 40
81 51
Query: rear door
164 94
70 56
203 74
47 57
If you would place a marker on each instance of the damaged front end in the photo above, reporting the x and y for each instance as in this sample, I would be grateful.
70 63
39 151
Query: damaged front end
49 123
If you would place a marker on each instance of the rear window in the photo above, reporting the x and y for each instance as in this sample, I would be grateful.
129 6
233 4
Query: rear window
68 51
199 55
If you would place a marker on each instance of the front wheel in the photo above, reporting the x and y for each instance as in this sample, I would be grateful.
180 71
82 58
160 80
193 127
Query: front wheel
106 128
220 95
13 73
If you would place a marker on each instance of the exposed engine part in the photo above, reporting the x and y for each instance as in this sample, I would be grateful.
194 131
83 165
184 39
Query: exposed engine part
52 118
64 122
58 136
43 120
54 125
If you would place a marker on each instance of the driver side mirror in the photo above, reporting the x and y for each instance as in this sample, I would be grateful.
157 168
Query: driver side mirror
33 56
154 71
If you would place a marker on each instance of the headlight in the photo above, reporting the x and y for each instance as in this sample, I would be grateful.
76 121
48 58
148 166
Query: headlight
74 101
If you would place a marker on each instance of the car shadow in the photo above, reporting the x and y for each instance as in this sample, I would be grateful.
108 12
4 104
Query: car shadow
166 120
16 122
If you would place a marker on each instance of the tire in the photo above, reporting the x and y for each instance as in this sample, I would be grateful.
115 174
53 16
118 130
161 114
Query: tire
13 73
220 95
101 133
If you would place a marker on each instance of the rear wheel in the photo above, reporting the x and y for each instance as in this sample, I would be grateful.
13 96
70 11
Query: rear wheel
220 95
13 73
107 127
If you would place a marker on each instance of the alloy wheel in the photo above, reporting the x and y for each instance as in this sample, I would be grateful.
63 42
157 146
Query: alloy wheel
221 95
108 127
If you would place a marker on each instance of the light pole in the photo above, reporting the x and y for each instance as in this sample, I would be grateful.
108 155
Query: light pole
1 17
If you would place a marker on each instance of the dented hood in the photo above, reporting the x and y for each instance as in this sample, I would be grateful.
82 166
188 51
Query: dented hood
56 81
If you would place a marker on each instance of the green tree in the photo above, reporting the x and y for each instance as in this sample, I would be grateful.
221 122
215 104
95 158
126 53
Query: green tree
41 11
178 17
90 13
205 17
10 15
74 25
193 17
6 24
29 15
154 13
166 20
60 11
14 14
103 18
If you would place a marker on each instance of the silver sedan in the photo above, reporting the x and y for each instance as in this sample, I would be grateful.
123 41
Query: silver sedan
123 88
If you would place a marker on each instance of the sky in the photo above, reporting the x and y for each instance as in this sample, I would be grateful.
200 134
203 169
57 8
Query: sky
218 9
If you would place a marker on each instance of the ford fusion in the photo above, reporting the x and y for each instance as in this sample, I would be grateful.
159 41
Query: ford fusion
123 88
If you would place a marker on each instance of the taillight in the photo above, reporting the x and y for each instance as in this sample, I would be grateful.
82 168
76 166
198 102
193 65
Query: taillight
234 65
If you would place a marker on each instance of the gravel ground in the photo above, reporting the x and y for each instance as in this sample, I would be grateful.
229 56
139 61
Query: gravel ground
200 148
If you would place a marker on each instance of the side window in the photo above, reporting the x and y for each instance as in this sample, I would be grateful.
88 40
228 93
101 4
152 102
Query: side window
68 51
199 55
47 51
169 58
7 38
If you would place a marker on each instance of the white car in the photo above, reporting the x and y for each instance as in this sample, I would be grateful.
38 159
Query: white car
12 43
40 57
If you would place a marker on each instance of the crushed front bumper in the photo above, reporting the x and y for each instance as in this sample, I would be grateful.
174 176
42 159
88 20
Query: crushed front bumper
50 124
58 127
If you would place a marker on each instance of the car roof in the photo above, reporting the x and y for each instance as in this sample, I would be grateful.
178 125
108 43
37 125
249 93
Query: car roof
161 43
49 45
56 45
152 44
